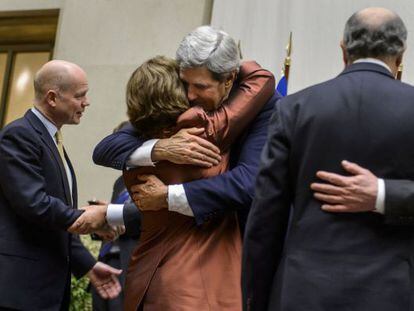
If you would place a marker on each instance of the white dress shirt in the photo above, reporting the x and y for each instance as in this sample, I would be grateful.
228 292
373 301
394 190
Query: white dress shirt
380 201
115 215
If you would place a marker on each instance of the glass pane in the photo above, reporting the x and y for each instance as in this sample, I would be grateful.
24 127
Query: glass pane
3 63
21 92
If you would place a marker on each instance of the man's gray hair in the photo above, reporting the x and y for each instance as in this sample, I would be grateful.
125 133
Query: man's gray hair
363 40
209 47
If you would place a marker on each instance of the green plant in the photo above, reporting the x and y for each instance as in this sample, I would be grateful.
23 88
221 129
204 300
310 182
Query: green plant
81 299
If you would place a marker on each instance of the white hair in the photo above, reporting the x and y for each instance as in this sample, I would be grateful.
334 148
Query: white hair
209 47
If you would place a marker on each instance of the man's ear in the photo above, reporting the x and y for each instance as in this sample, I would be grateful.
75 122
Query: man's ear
51 98
399 60
230 79
344 53
398 66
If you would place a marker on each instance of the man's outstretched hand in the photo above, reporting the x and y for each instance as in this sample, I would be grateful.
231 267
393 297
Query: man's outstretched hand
105 280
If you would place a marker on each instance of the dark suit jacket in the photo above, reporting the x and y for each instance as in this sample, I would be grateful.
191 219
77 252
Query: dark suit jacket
132 221
210 197
126 244
399 201
37 254
131 214
330 261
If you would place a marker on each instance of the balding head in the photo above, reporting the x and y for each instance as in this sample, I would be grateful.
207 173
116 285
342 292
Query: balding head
60 92
374 32
55 75
374 18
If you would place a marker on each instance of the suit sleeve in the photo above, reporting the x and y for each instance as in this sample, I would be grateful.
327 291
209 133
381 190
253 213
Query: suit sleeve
82 260
234 189
23 183
132 220
114 150
399 202
268 219
130 213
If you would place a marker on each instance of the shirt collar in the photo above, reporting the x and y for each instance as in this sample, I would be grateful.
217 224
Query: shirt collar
373 61
51 128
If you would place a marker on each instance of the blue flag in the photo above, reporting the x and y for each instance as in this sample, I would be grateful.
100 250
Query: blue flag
282 86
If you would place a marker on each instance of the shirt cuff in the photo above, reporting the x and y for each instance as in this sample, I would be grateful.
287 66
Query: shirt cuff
380 201
177 200
115 215
142 155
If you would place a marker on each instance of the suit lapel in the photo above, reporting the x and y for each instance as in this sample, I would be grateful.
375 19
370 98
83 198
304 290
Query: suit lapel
48 141
74 184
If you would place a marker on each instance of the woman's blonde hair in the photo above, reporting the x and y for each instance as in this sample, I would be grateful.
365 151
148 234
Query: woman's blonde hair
155 97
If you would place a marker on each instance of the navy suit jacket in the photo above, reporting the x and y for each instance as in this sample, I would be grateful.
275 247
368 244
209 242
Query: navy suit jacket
332 261
37 254
399 201
210 197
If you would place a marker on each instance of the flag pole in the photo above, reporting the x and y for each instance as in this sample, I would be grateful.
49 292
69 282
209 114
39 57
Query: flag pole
282 85
286 68
239 47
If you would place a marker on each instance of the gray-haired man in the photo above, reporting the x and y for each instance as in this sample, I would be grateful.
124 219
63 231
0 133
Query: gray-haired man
209 65
326 261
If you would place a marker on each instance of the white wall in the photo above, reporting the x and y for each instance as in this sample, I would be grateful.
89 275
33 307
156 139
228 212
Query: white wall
109 39
263 28
20 5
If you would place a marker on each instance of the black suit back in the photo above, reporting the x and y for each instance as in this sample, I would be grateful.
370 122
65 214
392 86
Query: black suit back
339 261
347 260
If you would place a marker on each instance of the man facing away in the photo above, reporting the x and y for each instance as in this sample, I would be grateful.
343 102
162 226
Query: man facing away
38 200
330 261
